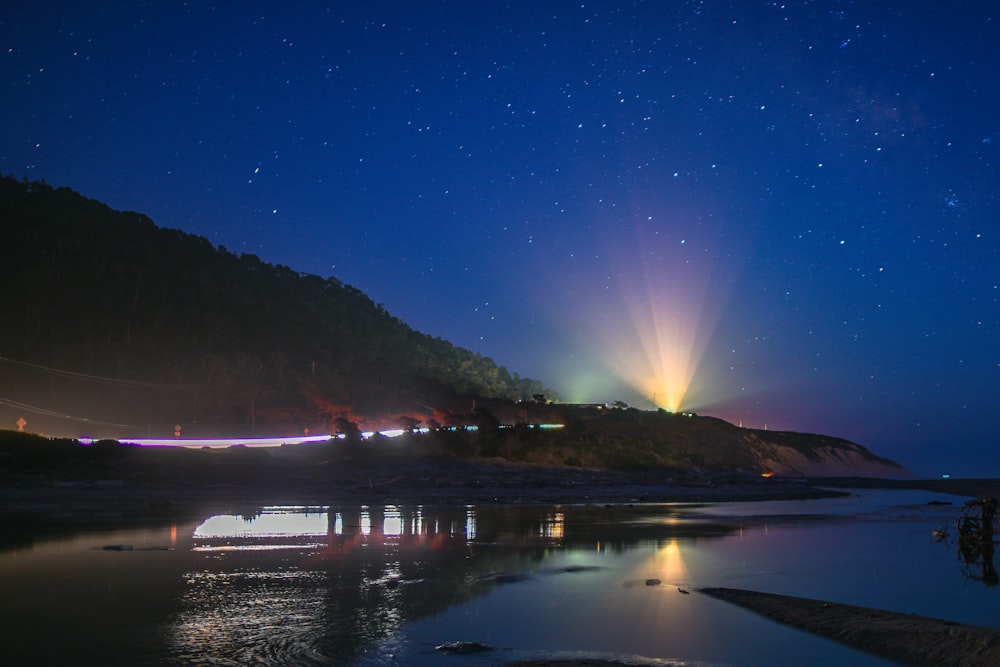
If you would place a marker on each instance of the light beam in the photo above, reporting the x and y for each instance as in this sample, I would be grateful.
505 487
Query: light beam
651 321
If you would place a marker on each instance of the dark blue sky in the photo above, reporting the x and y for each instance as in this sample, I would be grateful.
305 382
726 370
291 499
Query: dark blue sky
782 214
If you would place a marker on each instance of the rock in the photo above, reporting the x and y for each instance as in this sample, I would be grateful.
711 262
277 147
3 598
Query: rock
506 577
463 647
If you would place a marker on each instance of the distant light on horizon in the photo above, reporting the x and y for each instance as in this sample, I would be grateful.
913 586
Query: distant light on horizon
651 333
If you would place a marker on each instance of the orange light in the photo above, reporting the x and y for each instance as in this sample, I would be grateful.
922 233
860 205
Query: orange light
655 330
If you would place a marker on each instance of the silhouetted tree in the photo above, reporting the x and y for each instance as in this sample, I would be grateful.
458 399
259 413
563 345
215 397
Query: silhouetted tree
165 307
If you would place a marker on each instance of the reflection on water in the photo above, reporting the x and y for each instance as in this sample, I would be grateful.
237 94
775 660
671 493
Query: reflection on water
383 585
315 585
245 617
977 530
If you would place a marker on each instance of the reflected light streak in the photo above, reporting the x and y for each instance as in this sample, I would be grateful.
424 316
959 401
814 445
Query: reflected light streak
470 524
271 522
554 526
392 526
308 546
668 561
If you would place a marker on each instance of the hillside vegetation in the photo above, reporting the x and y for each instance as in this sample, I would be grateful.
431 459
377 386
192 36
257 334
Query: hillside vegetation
116 326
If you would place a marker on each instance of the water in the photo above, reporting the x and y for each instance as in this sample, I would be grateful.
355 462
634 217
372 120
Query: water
357 585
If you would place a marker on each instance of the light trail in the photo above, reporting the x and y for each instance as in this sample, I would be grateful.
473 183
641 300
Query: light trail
200 443
217 442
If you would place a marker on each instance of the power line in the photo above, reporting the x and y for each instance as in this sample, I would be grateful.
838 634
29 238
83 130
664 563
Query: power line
97 378
53 413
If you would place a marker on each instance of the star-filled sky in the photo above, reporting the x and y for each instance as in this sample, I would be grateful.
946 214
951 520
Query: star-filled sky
784 214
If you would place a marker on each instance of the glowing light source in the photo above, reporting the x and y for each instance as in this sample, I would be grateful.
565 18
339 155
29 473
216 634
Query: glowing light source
652 331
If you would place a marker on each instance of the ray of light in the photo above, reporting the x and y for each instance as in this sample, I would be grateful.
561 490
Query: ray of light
652 322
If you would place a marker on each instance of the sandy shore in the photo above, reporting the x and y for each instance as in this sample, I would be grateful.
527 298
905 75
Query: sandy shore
423 481
905 638
974 488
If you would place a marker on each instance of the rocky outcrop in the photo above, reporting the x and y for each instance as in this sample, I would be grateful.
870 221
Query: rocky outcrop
840 458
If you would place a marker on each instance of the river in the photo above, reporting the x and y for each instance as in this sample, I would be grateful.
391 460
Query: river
366 585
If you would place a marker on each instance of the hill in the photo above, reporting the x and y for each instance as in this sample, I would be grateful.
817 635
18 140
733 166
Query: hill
115 327
631 439
122 329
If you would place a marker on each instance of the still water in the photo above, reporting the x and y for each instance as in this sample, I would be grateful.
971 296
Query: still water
383 585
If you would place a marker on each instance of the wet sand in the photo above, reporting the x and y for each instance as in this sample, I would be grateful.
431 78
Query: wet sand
904 638
907 639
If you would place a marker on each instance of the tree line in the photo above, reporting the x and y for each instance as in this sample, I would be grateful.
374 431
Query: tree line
219 339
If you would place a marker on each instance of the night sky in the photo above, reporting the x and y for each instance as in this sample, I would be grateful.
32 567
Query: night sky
778 213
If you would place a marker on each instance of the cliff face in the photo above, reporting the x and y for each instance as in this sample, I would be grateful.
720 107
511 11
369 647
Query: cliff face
823 459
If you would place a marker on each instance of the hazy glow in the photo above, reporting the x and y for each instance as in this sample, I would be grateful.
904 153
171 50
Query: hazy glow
652 320
662 352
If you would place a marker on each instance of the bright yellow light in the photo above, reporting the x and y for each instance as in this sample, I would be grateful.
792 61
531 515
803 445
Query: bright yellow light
652 331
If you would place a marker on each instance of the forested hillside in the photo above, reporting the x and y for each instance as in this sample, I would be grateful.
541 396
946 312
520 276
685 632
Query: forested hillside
116 325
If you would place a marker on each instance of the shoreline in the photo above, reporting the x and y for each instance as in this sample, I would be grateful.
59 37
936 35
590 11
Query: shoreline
905 638
430 480
979 487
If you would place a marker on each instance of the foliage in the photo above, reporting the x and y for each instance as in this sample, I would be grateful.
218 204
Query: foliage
184 332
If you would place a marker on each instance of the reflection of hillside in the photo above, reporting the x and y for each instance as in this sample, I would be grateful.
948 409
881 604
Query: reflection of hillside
292 594
296 584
